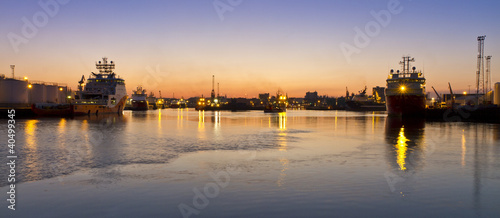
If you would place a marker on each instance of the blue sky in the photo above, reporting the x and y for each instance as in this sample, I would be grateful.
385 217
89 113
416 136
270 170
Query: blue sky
260 46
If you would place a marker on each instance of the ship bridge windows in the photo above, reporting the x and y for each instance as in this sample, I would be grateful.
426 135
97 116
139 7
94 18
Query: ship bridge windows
407 81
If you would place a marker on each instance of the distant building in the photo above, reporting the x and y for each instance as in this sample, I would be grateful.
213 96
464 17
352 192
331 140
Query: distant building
264 98
311 98
245 101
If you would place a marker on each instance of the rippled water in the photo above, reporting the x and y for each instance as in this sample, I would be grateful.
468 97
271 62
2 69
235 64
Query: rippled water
252 164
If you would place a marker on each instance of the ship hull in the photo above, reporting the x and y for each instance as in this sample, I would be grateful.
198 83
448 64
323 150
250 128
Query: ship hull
96 109
365 106
271 109
52 109
139 106
406 105
274 110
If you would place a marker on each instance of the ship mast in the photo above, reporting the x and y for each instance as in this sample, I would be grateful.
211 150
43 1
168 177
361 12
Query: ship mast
104 67
406 64
213 91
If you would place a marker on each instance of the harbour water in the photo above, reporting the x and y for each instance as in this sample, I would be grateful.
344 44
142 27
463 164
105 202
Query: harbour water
182 162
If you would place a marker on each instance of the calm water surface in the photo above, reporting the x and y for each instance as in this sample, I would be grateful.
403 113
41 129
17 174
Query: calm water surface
250 164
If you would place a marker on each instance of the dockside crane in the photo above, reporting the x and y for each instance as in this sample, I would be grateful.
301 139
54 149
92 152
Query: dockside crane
452 95
439 97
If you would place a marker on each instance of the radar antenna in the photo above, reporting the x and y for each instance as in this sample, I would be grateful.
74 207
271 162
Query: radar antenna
104 67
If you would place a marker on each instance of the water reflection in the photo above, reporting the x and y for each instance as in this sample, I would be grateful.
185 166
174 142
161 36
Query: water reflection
62 126
180 117
201 125
336 118
159 121
97 142
32 159
216 115
282 120
282 143
480 163
291 161
201 118
496 132
464 148
278 120
405 143
284 166
401 148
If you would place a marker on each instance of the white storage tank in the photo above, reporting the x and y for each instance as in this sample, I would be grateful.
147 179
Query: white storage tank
37 93
62 94
13 91
51 93
496 98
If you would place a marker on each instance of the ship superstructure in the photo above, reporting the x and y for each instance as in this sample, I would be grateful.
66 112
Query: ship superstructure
277 104
405 93
139 99
103 92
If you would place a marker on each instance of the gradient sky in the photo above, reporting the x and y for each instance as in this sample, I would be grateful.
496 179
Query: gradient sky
175 46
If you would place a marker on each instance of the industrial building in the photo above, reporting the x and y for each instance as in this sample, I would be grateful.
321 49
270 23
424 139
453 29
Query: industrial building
18 92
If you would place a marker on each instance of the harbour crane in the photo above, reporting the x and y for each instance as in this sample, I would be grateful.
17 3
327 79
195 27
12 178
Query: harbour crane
439 97
452 96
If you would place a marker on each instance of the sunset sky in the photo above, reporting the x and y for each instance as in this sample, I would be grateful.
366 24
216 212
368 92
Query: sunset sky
251 46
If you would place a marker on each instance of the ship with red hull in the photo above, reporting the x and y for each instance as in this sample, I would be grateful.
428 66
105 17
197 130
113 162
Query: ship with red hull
139 101
277 104
52 109
405 92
